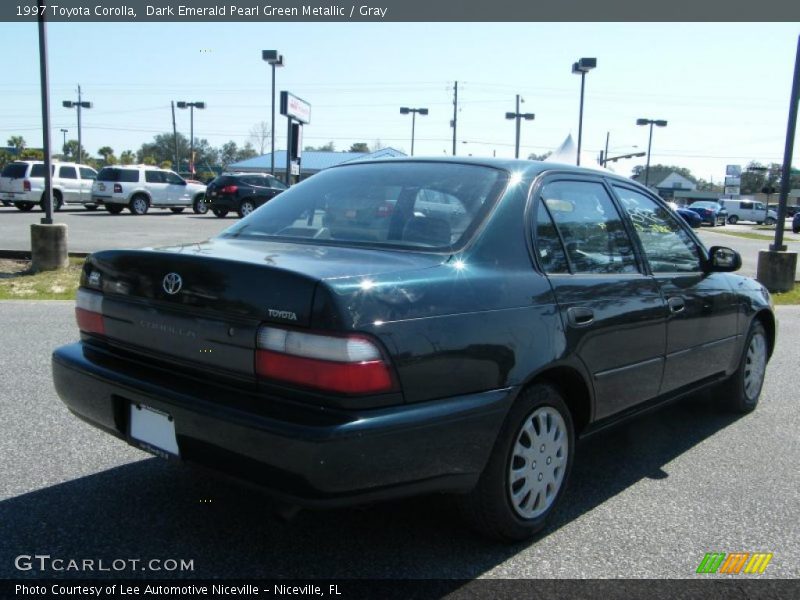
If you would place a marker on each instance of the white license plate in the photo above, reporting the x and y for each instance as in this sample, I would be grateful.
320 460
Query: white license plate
153 430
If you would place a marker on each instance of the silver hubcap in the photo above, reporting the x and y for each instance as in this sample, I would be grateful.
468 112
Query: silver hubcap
202 208
754 366
538 462
139 205
247 208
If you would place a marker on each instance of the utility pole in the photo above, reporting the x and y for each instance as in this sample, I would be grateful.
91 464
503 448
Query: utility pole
45 85
518 116
175 138
80 104
455 115
516 144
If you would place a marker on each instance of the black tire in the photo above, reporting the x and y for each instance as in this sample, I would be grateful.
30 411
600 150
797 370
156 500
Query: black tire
58 202
114 209
176 210
759 222
245 208
769 221
90 206
139 205
24 206
199 205
795 229
735 394
733 219
489 508
713 223
220 212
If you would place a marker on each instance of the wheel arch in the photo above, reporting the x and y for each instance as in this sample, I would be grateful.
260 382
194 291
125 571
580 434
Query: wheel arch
767 319
574 389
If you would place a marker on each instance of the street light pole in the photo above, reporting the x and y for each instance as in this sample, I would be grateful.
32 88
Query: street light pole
583 66
191 106
64 145
404 110
650 122
45 85
518 116
80 104
275 60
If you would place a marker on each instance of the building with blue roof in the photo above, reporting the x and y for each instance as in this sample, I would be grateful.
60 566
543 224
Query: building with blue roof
311 161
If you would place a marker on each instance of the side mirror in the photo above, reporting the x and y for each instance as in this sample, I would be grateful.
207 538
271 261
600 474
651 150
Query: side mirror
724 260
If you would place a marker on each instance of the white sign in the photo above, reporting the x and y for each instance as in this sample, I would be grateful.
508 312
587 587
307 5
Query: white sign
733 181
733 170
732 190
295 169
295 108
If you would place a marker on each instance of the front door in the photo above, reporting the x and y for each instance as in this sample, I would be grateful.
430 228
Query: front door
613 313
702 324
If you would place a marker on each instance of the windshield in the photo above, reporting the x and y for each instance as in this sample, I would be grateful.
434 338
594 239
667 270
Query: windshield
407 204
705 205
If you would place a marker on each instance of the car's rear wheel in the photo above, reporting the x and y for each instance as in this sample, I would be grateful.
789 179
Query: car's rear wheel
528 469
139 205
90 206
795 229
246 207
199 205
57 201
769 221
741 391
733 219
114 209
220 212
24 206
176 210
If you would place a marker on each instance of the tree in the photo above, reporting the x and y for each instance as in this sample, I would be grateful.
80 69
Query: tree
359 147
247 151
17 142
5 158
165 164
107 152
228 154
71 151
163 148
534 156
329 147
149 160
260 135
127 158
659 173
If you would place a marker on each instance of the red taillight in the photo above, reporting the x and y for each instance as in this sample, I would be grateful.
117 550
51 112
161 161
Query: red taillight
26 185
89 312
117 188
229 189
345 365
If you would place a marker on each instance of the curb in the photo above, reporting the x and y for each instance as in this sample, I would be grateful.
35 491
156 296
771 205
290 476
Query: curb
26 254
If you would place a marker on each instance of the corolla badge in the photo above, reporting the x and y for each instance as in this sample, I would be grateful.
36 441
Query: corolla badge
172 283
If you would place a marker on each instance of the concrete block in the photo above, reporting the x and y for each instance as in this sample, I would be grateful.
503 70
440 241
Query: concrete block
49 247
776 270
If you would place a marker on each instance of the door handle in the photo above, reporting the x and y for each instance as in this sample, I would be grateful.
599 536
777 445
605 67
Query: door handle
580 316
676 304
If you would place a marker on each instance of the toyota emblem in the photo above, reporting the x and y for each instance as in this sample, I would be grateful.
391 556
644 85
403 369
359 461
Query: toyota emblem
172 283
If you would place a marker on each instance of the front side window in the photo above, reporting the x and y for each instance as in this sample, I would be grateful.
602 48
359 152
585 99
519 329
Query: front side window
411 205
87 173
666 244
172 178
154 177
594 235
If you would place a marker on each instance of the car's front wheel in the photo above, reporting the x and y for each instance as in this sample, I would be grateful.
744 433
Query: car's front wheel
177 210
199 205
733 219
741 391
769 221
24 206
246 207
114 209
527 470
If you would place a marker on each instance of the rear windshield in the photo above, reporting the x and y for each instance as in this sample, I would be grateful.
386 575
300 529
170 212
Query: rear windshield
405 204
123 175
15 170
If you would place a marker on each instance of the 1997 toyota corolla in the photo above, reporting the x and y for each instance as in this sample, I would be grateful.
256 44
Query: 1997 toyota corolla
393 328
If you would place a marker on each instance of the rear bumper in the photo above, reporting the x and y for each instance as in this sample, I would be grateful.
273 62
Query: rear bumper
226 202
20 197
303 455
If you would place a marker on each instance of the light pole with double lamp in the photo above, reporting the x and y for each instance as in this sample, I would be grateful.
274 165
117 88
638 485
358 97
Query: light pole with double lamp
191 106
518 116
79 105
404 110
582 67
275 60
651 122
64 145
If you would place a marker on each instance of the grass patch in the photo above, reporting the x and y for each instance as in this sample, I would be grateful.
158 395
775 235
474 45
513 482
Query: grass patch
17 283
745 234
792 297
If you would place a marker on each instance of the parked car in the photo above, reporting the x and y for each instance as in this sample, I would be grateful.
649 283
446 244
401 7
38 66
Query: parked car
711 213
692 218
241 192
390 354
141 187
22 184
791 209
748 210
796 223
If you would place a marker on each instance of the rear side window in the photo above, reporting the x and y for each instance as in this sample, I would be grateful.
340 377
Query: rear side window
15 170
594 236
37 170
548 246
121 175
154 177
68 173
411 205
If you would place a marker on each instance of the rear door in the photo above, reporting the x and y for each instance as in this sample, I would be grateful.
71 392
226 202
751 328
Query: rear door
613 313
88 177
157 187
69 183
701 328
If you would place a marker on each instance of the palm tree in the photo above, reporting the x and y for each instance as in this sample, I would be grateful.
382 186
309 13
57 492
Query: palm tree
107 152
17 142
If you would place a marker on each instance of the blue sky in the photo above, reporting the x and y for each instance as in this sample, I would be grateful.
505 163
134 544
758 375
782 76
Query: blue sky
724 88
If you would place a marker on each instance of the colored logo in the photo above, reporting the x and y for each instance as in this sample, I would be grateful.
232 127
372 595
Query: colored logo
735 563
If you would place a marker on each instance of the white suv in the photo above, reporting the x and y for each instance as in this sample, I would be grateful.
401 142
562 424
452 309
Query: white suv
140 187
22 184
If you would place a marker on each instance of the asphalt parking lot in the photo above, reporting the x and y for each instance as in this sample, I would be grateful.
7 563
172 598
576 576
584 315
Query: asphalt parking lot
646 500
99 230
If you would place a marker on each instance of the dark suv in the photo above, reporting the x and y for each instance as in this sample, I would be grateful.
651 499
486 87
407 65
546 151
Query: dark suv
241 192
390 328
